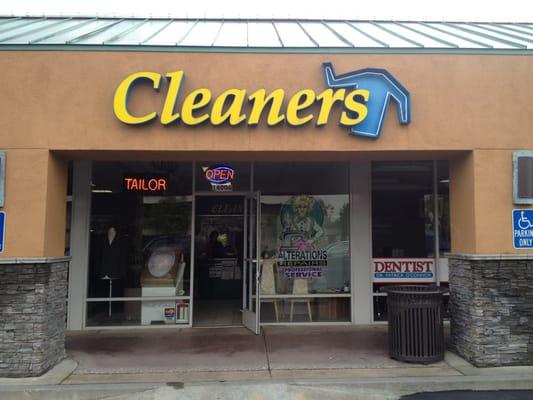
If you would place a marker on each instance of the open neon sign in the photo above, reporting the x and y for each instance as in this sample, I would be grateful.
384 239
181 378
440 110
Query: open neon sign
220 177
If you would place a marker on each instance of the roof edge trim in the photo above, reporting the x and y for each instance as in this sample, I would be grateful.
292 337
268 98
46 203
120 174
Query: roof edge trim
263 50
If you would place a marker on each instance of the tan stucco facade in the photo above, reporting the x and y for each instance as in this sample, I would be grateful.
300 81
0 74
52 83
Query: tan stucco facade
473 110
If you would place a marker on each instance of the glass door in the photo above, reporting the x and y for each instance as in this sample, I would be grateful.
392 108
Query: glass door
252 262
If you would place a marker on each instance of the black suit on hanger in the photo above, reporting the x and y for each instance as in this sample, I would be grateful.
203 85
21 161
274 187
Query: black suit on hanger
112 262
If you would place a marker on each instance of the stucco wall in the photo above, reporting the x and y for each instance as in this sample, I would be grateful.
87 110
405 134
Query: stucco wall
63 100
478 107
35 204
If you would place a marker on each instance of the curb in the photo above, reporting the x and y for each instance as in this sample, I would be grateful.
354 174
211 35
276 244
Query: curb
54 376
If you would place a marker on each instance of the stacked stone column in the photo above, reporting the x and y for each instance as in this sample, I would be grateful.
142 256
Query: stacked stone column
491 307
33 295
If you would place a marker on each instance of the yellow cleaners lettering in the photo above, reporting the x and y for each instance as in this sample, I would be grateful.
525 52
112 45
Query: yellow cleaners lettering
122 93
363 96
235 106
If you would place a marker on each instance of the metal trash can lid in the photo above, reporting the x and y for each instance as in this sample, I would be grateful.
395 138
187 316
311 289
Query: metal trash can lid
414 289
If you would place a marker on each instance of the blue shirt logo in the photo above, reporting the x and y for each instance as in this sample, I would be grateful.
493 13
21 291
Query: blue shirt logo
382 87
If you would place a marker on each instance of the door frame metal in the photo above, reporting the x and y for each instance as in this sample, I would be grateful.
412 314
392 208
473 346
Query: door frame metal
251 315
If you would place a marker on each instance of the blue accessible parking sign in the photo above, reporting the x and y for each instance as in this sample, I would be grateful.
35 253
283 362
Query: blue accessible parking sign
2 230
523 229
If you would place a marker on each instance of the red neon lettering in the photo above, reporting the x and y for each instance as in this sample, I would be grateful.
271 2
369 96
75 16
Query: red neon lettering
152 185
146 185
220 174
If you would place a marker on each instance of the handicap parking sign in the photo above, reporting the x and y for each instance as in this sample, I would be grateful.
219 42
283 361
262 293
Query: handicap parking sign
2 230
523 229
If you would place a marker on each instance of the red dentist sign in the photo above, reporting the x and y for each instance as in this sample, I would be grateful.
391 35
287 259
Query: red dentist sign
397 270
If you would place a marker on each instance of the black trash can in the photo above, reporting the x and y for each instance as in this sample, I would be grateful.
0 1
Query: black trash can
416 331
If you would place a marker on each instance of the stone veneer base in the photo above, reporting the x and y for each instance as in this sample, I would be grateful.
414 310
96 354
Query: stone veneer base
491 308
33 313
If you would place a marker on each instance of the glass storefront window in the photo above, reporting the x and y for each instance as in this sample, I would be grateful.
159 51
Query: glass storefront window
140 240
402 204
68 223
289 178
443 189
141 221
305 241
291 310
403 225
134 312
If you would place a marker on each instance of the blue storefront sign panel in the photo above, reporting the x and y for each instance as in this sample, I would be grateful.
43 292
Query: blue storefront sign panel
523 229
2 230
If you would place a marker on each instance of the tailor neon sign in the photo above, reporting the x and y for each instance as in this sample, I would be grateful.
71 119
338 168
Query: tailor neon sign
364 95
145 184
220 177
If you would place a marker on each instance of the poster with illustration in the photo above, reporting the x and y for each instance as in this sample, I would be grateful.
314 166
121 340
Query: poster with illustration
300 254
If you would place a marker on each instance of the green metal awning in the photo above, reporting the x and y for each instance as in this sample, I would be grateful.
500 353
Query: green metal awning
263 35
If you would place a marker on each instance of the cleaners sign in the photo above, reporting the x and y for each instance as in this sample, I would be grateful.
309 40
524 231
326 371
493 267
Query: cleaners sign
396 270
523 229
363 96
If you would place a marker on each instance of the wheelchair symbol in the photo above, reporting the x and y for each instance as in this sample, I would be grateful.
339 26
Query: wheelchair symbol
524 222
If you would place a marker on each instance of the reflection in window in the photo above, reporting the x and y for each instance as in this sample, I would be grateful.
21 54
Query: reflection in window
305 310
132 312
305 241
402 209
403 222
308 238
140 240
443 190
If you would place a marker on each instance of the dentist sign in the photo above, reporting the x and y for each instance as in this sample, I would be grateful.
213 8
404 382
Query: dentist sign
364 97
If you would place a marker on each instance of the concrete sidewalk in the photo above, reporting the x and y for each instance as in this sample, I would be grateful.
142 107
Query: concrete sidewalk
292 363
235 353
